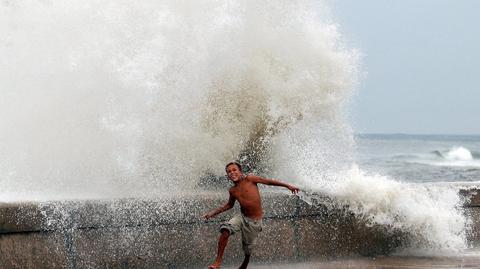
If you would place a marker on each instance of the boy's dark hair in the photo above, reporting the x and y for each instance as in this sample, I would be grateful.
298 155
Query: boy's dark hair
235 163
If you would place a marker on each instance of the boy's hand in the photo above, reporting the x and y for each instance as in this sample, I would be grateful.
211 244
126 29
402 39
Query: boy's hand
294 189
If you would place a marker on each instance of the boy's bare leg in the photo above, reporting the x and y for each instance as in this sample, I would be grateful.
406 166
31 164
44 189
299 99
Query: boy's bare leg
222 243
245 262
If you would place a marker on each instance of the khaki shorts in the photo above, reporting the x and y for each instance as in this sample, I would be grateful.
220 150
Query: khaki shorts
250 229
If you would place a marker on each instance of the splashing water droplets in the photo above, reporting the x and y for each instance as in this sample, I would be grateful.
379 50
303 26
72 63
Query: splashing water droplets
115 99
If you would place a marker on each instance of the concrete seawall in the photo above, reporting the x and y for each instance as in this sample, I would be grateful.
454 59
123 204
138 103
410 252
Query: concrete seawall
169 233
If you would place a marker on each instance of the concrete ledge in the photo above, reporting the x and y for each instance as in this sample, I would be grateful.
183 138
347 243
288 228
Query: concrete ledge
169 233
58 215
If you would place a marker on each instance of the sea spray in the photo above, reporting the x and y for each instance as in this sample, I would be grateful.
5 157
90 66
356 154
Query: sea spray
122 99
112 98
428 217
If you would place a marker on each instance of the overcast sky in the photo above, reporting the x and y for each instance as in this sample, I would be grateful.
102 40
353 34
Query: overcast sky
422 64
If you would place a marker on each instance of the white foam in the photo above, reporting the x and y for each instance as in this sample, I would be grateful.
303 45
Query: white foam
130 98
428 213
121 99
459 154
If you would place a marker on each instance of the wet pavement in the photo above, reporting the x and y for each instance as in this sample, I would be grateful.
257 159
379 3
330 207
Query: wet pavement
394 262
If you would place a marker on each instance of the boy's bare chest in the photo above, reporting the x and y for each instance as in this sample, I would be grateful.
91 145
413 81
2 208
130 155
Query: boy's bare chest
246 192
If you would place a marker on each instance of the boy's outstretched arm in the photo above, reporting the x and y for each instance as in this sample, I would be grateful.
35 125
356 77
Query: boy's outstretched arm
227 206
272 182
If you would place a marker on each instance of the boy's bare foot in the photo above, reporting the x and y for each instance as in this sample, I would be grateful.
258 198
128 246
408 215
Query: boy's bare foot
215 265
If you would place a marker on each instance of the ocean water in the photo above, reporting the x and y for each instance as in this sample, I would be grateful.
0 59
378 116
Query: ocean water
420 158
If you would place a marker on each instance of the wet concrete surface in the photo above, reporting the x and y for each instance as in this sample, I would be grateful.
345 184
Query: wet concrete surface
392 262
169 233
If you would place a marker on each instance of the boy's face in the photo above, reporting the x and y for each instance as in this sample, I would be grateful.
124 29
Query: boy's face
234 173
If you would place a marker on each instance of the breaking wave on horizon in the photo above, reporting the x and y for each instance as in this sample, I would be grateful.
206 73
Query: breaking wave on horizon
457 156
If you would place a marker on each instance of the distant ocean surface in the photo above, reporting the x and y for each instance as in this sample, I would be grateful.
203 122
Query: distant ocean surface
420 158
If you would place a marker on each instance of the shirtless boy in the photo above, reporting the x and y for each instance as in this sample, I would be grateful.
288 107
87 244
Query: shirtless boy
249 223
